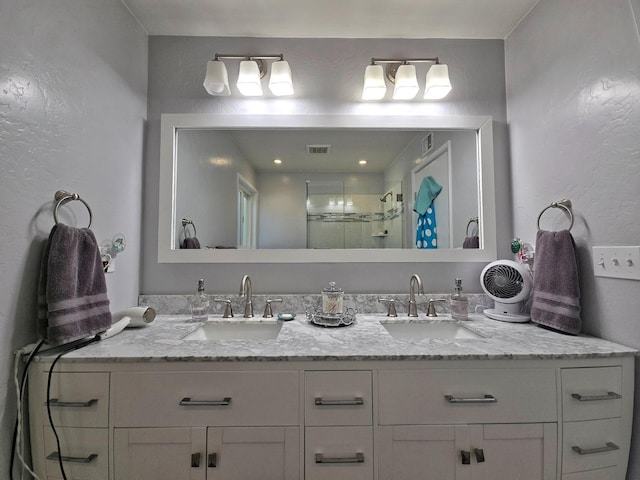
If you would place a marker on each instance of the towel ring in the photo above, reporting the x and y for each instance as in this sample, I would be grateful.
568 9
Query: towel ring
185 223
471 220
63 197
564 204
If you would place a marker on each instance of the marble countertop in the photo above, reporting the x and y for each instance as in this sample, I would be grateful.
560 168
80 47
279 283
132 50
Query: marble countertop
365 339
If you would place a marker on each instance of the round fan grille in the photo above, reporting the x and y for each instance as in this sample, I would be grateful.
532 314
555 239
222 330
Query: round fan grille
503 281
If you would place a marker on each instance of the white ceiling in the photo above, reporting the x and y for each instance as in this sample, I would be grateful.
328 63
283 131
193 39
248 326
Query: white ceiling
331 18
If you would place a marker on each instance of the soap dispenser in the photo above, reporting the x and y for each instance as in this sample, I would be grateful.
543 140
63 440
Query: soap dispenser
200 304
459 303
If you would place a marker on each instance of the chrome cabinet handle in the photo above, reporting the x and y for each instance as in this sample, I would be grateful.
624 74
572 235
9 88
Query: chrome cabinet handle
479 452
195 460
359 458
485 399
466 457
64 458
54 402
187 402
212 460
355 401
610 447
592 398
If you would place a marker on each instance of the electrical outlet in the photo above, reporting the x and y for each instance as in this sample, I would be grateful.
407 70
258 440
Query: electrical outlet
617 262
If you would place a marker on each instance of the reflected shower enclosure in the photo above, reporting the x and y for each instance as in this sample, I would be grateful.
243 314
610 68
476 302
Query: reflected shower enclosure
343 214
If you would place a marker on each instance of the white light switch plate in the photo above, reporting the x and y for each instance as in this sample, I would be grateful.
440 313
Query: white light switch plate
617 262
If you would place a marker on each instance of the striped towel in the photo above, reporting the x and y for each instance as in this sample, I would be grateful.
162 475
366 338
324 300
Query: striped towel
556 289
72 290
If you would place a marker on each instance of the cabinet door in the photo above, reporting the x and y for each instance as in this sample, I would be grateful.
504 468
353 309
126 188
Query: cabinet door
522 451
250 453
427 452
159 453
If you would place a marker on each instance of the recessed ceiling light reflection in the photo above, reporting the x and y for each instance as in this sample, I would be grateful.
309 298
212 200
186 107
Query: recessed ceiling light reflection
219 161
277 161
362 162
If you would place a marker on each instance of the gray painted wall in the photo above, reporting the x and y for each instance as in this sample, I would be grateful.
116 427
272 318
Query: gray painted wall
73 79
573 92
328 77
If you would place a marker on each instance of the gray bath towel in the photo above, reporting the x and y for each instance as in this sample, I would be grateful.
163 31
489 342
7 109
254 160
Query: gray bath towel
556 290
190 243
72 296
471 242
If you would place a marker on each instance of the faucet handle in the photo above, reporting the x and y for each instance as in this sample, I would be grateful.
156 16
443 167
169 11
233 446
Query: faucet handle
391 304
228 311
268 313
431 309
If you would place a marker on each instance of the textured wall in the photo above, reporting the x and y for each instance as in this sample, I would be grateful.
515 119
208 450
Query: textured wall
573 95
328 79
72 110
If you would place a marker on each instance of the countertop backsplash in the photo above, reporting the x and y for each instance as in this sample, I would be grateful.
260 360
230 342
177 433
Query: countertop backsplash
298 303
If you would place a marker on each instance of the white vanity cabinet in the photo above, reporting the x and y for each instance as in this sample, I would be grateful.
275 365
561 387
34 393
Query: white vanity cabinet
467 423
532 419
223 425
338 413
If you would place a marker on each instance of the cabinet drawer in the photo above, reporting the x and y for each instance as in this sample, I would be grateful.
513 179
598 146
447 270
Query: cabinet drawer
591 393
338 398
466 396
596 440
600 474
338 452
78 399
85 453
171 399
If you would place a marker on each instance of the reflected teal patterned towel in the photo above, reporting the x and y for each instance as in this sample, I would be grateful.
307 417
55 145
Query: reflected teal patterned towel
556 289
426 231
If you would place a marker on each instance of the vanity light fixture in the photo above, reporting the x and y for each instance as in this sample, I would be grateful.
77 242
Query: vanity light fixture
402 73
251 71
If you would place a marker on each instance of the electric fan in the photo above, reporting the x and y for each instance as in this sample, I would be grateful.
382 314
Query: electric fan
508 283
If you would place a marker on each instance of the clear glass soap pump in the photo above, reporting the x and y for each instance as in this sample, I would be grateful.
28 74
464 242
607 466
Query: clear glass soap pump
200 304
459 303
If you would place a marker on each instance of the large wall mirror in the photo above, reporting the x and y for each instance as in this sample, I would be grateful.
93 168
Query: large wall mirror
313 188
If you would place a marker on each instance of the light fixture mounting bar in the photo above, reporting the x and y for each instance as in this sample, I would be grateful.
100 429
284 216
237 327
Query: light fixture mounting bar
219 56
402 61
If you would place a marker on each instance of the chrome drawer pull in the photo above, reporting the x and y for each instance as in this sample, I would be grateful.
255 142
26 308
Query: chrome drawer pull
610 447
54 402
187 402
591 398
485 399
359 458
355 401
56 456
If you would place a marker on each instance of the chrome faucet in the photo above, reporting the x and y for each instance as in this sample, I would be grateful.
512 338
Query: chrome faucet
413 283
245 291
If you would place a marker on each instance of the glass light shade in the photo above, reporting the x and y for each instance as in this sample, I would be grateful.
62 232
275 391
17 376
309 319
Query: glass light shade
216 80
374 87
249 82
280 82
406 86
438 83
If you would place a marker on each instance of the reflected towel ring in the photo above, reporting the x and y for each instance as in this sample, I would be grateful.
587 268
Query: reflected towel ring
185 223
63 197
564 204
471 220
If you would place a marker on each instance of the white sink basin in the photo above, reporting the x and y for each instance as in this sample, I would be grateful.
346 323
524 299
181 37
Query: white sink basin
416 330
230 330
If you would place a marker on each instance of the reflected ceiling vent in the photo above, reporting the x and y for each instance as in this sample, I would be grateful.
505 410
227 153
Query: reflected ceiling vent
319 149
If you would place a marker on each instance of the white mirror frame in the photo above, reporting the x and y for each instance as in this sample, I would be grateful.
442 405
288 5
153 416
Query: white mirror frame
170 123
